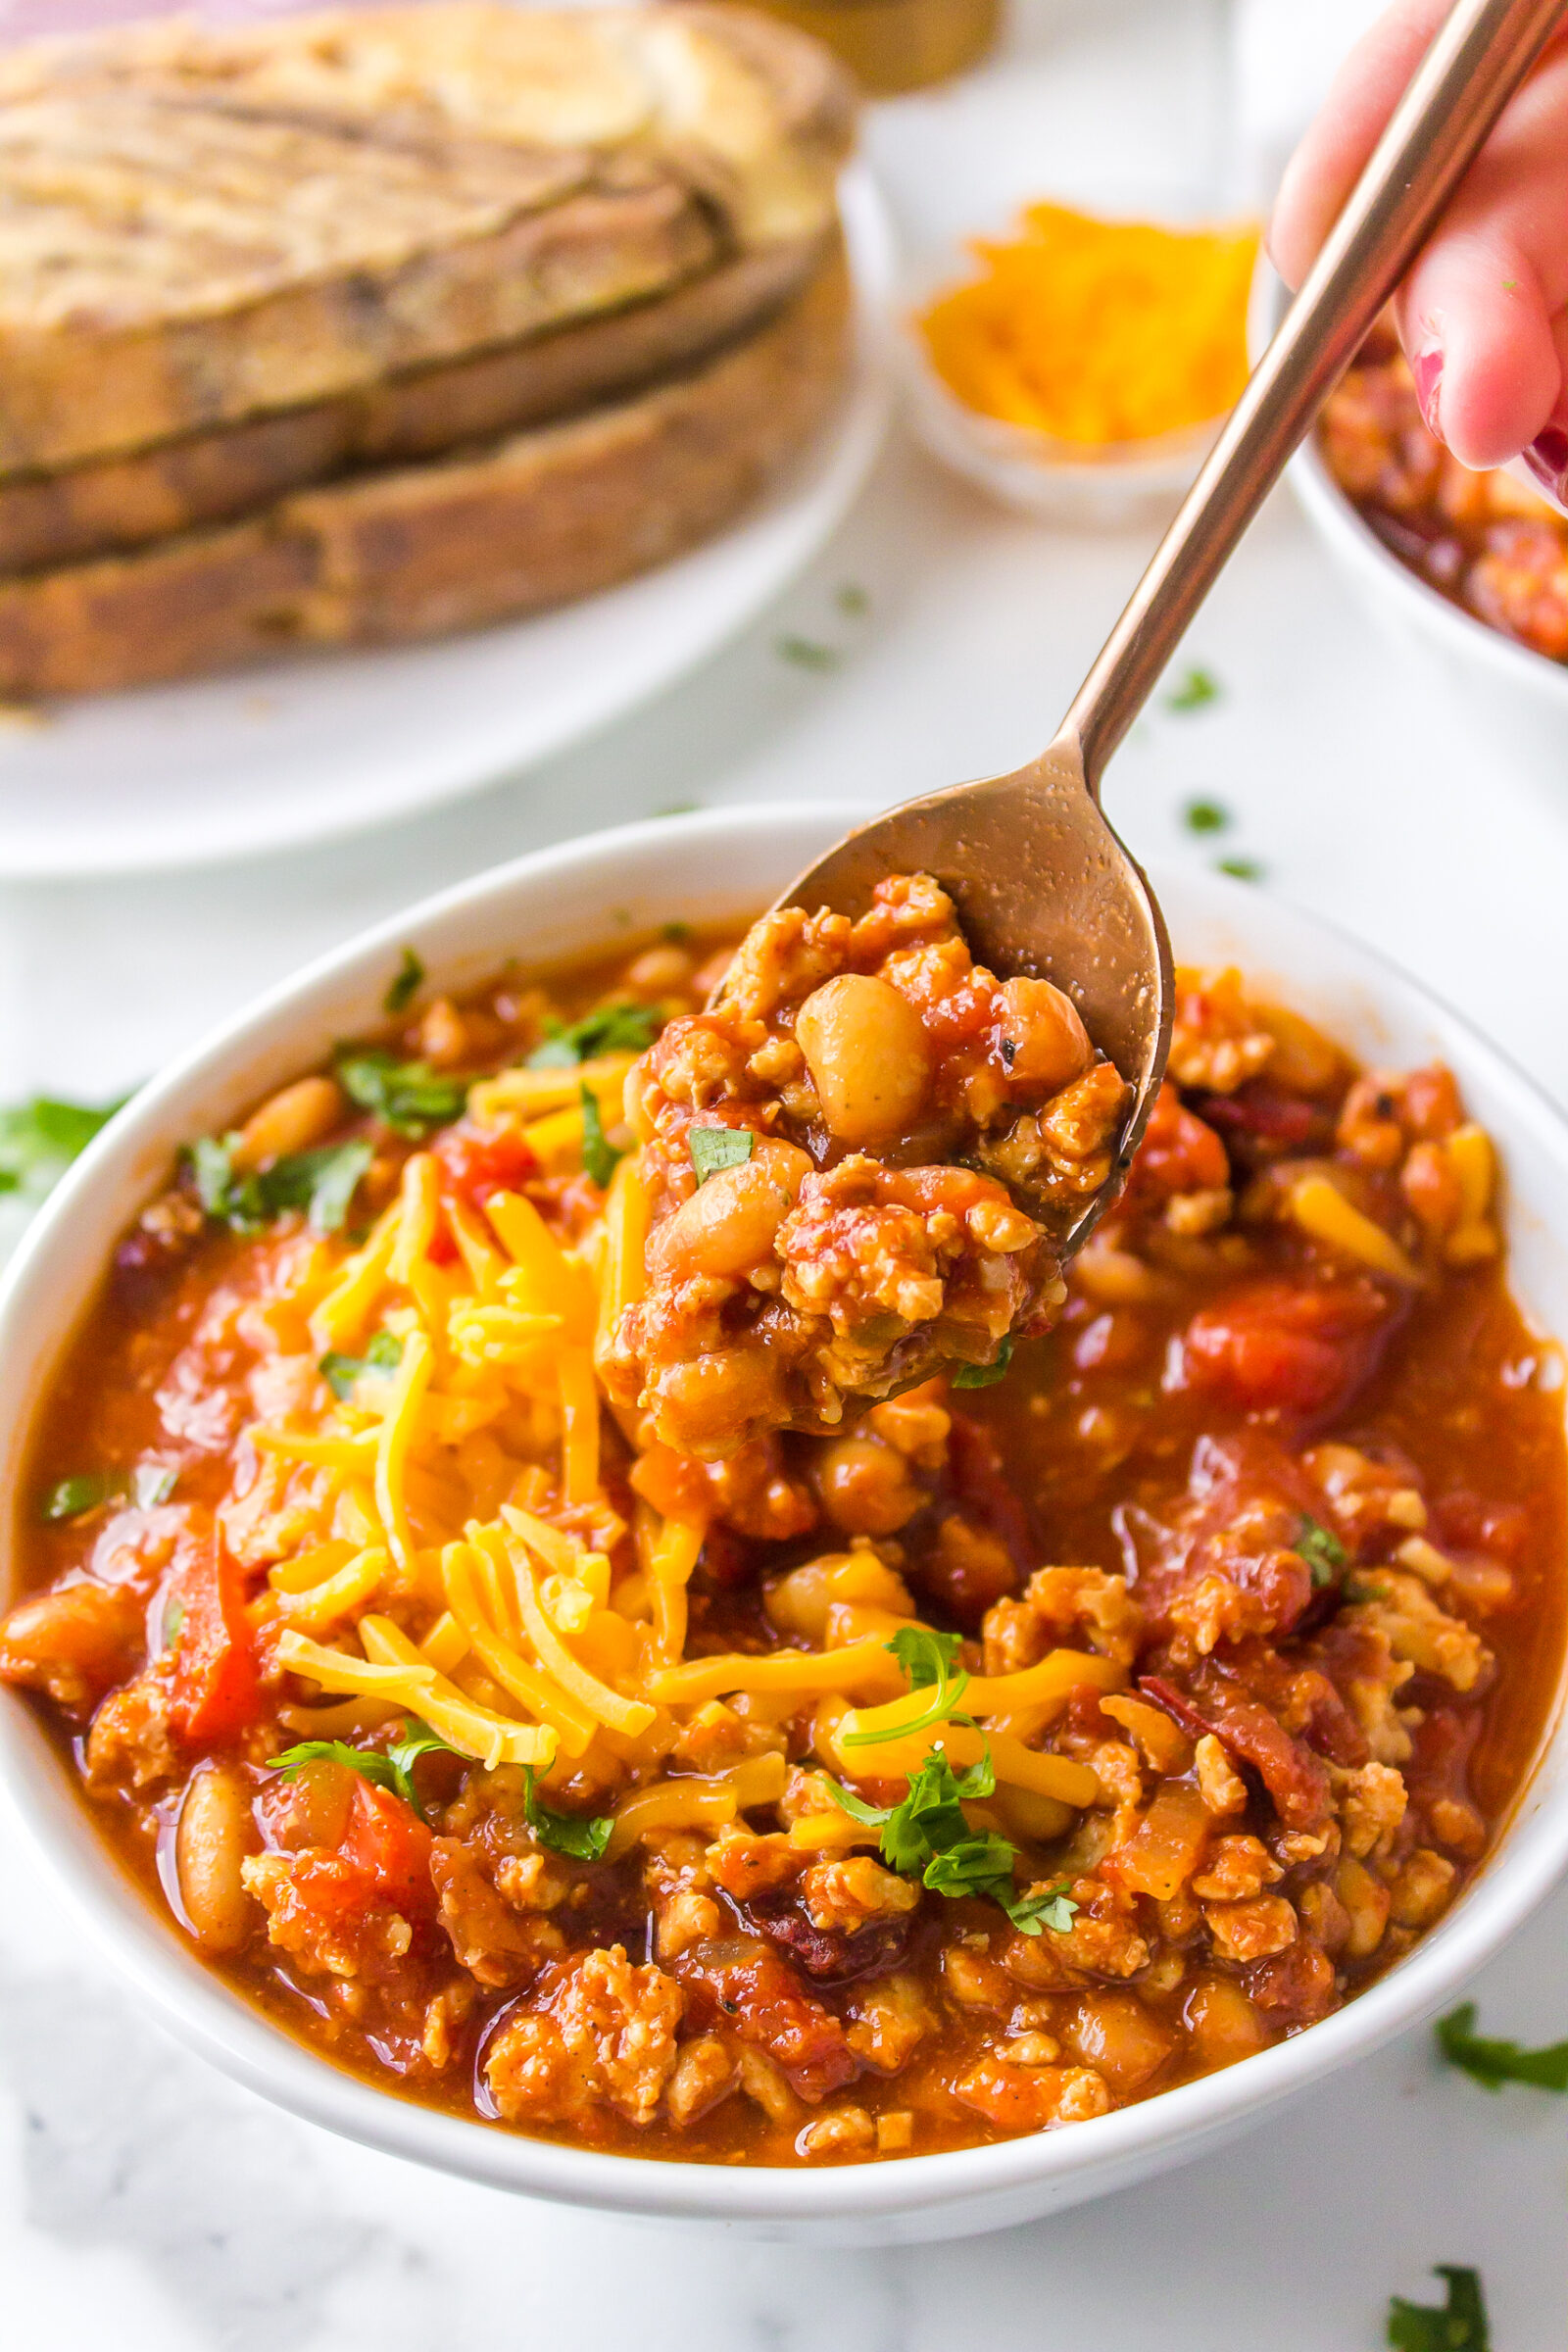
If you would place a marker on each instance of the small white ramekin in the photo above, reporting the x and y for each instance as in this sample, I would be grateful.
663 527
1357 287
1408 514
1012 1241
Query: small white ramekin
711 868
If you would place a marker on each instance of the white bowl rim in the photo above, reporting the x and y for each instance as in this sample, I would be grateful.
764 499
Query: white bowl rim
1351 537
202 2011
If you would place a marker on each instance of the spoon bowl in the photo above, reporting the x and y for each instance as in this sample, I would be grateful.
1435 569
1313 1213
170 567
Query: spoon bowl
1043 887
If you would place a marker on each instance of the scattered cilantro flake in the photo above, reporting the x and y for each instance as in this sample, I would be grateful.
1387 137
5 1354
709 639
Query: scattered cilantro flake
1460 2326
583 1837
986 1376
1491 2063
39 1139
321 1182
1050 1907
1205 816
598 1153
340 1372
390 1768
852 600
675 934
1323 1553
716 1148
173 1621
1240 869
406 984
1358 1589
409 1096
74 1497
679 809
612 1029
806 652
1198 688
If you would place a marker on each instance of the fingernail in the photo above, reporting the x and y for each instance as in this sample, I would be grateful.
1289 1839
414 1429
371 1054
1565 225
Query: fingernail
1427 369
1547 460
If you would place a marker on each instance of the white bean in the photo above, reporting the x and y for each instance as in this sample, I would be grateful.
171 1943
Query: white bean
866 1050
214 1834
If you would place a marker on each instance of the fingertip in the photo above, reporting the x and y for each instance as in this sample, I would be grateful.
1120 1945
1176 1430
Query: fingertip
1477 329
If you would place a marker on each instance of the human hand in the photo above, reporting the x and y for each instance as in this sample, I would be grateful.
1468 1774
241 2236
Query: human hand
1483 315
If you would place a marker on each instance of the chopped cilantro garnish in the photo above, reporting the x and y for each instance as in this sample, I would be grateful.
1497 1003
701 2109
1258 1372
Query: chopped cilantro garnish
406 983
1325 1555
675 935
598 1153
391 1767
1491 2063
1205 816
806 652
581 1835
340 1372
986 1376
409 1096
1460 2326
173 1621
926 1659
1196 688
1240 869
74 1497
323 1182
147 1486
679 809
928 1837
716 1148
614 1029
39 1139
925 1655
852 600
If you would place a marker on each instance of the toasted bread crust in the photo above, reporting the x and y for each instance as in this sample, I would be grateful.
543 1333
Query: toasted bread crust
47 519
527 523
203 225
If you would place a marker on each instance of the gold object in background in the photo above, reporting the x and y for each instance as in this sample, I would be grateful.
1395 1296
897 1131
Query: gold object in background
895 45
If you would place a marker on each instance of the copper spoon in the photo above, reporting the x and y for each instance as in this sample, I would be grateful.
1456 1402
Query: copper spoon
1042 883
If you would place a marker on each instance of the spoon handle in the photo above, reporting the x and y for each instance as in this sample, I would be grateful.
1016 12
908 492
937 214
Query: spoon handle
1477 61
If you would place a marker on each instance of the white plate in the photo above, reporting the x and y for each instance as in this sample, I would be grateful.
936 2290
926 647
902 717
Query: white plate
265 759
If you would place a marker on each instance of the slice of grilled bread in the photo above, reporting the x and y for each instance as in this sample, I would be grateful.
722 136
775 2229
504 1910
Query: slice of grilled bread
200 224
400 552
99 507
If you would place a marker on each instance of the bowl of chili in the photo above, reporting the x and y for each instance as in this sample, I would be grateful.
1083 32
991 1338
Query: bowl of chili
1035 2093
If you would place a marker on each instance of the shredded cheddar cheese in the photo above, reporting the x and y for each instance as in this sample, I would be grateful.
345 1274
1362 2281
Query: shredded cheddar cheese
1099 331
440 1541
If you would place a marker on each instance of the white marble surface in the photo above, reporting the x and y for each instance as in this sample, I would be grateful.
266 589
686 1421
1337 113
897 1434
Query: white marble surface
144 2203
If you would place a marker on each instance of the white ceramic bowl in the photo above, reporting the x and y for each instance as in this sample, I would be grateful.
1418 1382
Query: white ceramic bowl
704 868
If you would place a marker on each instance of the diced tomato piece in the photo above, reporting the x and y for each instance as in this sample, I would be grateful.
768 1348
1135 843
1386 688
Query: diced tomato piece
1179 1153
389 1843
214 1686
755 1993
1284 1346
475 1165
